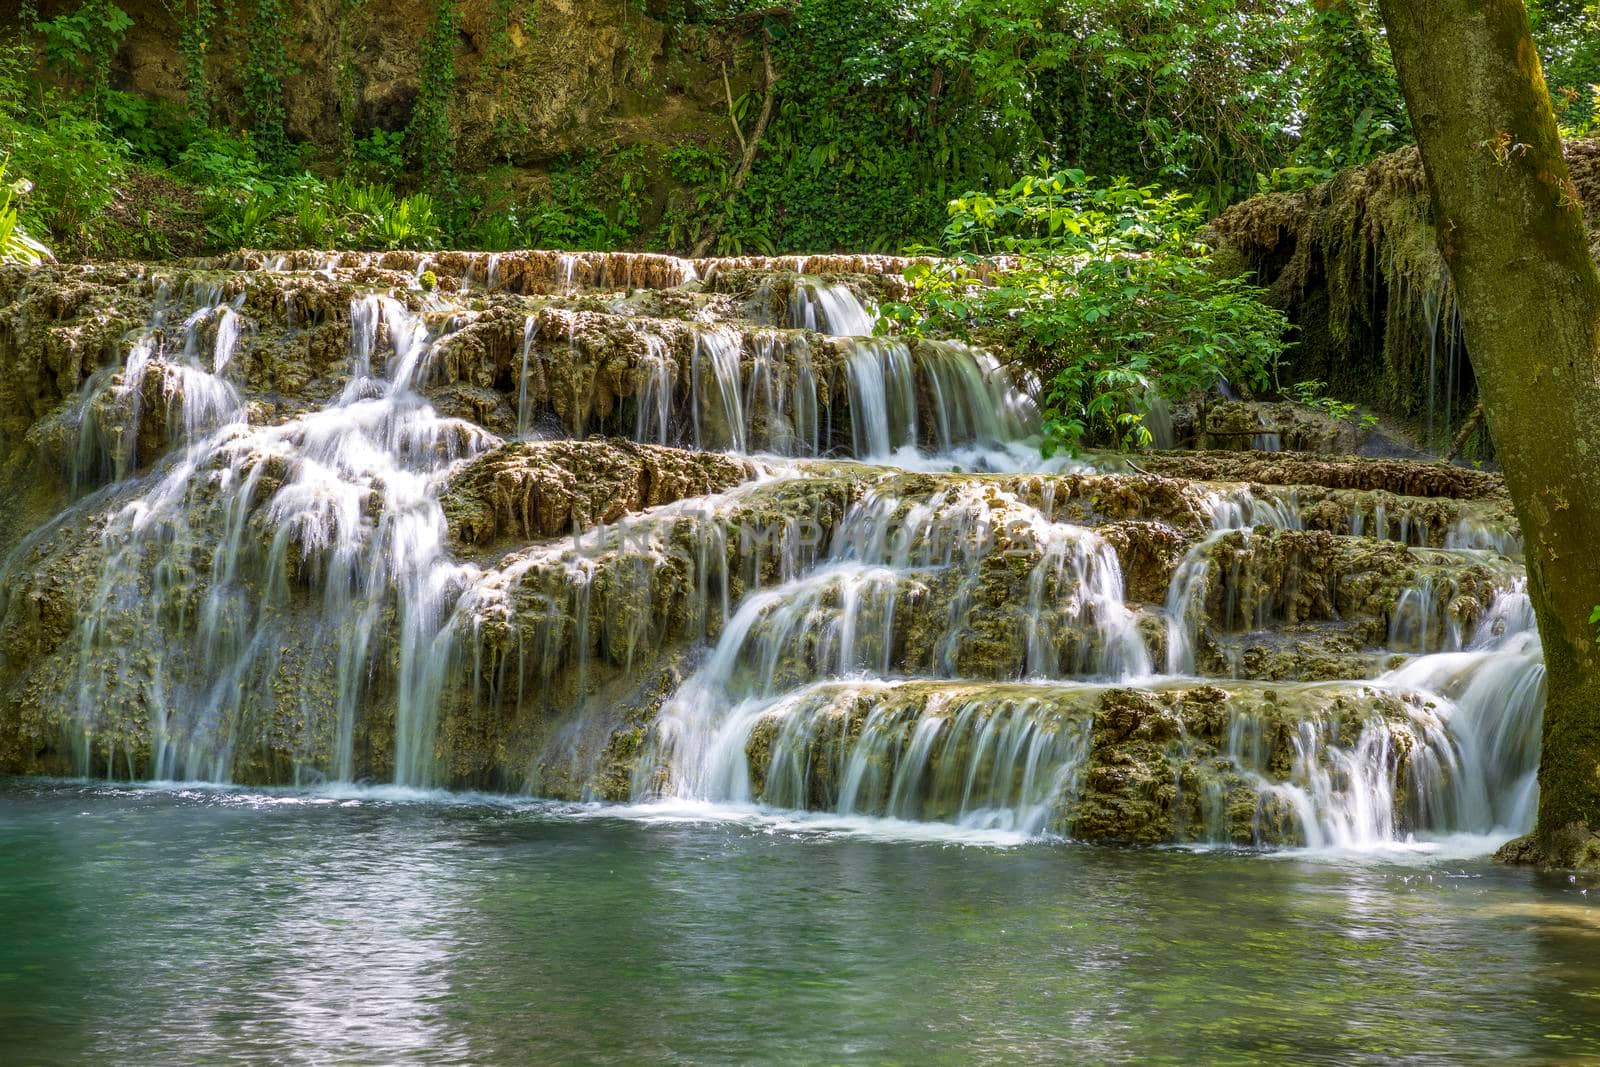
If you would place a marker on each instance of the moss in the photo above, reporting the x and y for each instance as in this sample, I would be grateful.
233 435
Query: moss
529 491
1400 477
1355 261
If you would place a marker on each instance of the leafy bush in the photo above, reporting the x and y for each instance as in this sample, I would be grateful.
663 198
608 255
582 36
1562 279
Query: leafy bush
217 161
74 168
79 44
399 222
1100 291
153 130
305 212
244 220
380 156
1311 393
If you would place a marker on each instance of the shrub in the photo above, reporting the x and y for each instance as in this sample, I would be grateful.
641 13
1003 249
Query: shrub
1100 291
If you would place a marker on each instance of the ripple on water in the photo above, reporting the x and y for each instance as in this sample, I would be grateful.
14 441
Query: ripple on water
374 925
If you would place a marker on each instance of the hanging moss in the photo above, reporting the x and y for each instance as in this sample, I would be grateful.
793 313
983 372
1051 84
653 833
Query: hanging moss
1355 262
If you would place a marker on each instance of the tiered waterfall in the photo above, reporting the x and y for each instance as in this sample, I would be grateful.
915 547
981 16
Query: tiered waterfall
629 527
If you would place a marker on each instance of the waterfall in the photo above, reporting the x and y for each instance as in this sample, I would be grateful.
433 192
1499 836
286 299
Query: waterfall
313 560
843 618
1492 692
347 496
975 760
829 308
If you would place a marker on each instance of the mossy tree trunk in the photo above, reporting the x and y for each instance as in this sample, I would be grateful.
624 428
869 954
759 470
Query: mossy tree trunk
1511 230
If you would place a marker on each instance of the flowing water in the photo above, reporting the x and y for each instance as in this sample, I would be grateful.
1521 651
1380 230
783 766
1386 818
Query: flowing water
153 926
937 646
851 665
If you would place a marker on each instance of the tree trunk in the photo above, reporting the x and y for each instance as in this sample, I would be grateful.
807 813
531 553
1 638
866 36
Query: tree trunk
1511 229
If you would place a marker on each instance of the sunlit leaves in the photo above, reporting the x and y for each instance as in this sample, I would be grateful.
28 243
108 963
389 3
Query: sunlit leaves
1102 292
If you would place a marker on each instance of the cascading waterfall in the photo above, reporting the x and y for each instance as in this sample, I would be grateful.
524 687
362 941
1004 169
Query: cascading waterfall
1492 690
347 496
980 760
1235 510
825 308
898 631
778 391
843 619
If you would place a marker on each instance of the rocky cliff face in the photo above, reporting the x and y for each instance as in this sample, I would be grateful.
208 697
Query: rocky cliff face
534 80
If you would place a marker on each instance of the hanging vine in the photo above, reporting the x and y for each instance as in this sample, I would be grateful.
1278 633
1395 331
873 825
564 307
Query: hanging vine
348 102
509 25
194 42
266 62
429 136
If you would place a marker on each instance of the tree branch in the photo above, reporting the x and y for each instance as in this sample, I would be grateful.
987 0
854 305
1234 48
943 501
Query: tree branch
733 116
742 175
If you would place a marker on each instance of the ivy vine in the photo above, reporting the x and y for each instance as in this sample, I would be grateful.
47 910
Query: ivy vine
429 135
266 63
507 21
194 42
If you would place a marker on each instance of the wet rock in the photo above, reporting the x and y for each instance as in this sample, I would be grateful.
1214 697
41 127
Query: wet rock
1401 477
1284 426
532 490
224 589
1212 762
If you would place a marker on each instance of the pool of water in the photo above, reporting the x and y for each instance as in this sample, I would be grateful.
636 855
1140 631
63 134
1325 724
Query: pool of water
164 925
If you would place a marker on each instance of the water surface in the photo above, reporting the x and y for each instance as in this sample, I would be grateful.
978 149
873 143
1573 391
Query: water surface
164 925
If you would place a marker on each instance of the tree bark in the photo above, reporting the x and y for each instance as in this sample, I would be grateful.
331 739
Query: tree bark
1511 229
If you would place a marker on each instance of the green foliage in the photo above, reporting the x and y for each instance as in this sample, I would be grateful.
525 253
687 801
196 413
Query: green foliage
593 203
1568 34
196 24
59 151
1353 108
1312 394
1102 293
882 110
73 166
266 64
242 221
217 162
380 157
152 130
891 106
79 45
703 178
390 221
305 212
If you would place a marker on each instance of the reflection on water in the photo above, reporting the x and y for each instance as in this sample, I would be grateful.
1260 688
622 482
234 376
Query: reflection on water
178 925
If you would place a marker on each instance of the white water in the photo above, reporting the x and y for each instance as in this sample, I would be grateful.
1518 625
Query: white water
348 495
932 404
